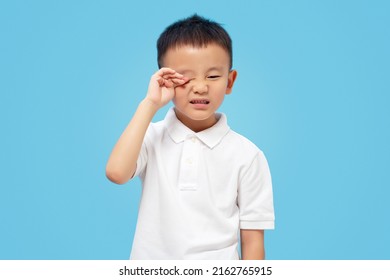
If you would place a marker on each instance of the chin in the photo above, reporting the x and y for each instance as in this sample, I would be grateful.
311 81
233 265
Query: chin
200 116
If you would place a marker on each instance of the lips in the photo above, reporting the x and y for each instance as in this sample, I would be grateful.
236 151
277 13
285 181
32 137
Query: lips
199 101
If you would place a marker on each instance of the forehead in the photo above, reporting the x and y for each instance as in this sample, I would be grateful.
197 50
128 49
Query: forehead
191 58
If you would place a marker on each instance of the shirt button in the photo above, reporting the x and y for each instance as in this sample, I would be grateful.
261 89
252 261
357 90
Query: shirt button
189 160
193 139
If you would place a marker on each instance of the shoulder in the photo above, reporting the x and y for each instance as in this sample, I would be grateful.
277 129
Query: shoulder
239 151
245 145
155 131
156 128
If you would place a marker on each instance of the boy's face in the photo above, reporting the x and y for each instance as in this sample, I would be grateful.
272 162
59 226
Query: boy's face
207 69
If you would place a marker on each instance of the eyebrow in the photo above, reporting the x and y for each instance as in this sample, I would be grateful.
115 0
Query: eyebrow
186 71
214 69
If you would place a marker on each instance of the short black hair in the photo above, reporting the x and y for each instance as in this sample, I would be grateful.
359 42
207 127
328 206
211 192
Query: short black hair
196 31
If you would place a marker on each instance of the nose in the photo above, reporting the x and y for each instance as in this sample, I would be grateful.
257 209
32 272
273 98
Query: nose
200 87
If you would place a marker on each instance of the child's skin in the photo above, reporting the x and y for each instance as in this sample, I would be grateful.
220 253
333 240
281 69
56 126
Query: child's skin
196 80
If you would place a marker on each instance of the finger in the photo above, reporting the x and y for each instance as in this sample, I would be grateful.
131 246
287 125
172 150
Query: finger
178 81
173 76
168 71
168 84
160 81
165 83
163 73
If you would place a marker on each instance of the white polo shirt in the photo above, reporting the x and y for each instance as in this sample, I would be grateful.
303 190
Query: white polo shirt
198 190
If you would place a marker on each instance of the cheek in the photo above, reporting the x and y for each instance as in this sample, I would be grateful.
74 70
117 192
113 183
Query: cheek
180 92
221 87
180 95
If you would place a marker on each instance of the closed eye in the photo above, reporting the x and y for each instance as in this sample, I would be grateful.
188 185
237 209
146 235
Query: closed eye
213 77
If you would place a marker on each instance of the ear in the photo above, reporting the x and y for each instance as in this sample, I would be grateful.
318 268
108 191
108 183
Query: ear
231 78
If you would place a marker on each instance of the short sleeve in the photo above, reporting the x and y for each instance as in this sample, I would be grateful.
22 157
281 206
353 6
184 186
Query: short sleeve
142 160
255 196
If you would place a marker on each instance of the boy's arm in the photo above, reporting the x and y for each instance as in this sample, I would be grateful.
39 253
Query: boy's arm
122 163
252 244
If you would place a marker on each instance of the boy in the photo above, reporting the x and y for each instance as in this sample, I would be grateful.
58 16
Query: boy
201 181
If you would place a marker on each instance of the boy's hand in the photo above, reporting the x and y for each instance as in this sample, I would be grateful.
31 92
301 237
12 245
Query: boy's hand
162 86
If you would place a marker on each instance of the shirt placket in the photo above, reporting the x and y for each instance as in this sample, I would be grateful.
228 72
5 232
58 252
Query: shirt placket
188 177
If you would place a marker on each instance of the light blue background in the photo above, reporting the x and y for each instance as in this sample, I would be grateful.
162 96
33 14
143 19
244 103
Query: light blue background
312 93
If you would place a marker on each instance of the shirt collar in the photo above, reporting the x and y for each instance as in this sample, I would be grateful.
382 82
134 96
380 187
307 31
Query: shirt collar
211 136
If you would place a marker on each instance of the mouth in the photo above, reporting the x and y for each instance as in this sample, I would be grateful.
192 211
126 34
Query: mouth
199 101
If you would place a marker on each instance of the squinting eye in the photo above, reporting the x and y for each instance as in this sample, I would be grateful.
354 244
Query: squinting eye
213 77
